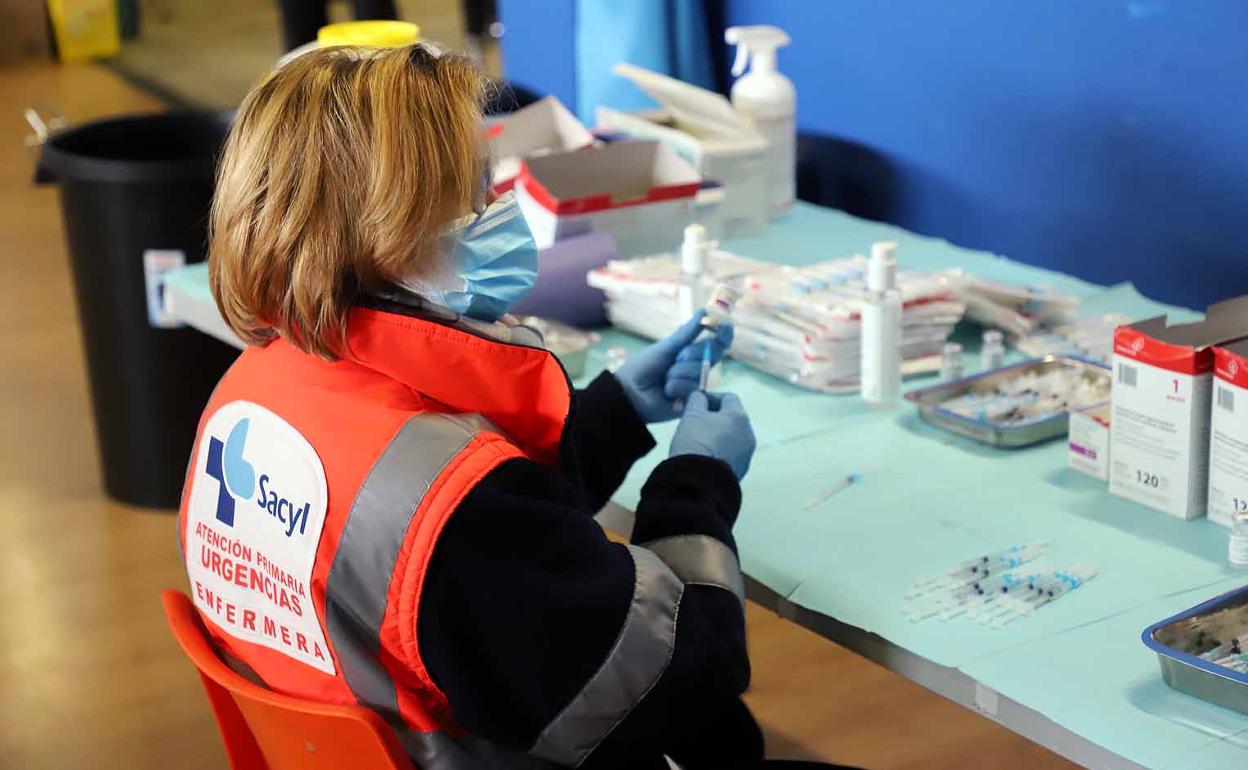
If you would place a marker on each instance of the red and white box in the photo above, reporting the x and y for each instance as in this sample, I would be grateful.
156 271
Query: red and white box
641 193
544 126
1163 379
1228 434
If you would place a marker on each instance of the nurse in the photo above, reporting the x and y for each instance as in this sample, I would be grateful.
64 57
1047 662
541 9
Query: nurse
392 493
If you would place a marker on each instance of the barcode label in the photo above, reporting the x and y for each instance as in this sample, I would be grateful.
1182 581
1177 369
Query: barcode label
1226 399
1127 375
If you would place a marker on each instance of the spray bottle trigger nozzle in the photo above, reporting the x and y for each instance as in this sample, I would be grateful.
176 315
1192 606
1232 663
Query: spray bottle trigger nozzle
741 60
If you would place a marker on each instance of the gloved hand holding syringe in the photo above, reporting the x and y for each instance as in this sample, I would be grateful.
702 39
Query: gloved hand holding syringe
719 306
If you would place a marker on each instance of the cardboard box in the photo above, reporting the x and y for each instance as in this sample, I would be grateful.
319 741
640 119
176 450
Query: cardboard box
640 193
1163 376
1088 445
1228 434
702 127
543 127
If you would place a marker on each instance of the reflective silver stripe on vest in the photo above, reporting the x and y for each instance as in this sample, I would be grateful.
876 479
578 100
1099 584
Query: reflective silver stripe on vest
359 578
701 560
633 666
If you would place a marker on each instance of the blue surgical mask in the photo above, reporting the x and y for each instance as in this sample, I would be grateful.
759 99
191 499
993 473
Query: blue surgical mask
494 258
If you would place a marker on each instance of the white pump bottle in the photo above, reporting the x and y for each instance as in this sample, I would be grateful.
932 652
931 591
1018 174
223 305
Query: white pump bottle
881 329
769 101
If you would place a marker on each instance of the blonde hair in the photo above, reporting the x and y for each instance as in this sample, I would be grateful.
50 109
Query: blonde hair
340 172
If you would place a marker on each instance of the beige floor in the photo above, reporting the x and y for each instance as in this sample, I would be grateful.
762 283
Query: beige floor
210 52
89 678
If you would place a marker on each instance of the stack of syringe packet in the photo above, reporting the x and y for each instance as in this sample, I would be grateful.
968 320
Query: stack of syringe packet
994 589
802 324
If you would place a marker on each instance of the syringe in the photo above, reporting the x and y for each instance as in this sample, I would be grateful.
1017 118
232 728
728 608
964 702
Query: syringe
704 376
1233 647
1000 587
966 598
840 485
1020 585
1044 591
1237 662
978 568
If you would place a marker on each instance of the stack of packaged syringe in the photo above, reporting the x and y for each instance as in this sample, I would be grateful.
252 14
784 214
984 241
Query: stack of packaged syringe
802 324
995 589
1091 338
1016 309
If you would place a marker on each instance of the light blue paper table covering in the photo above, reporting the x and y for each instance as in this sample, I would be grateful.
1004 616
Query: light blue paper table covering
929 499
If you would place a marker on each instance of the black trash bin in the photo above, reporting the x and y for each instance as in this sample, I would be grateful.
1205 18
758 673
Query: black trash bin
135 194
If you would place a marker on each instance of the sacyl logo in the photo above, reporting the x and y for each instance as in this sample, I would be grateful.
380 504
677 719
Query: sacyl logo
237 481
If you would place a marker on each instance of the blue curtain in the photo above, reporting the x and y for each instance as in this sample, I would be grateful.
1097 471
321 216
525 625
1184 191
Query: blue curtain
668 36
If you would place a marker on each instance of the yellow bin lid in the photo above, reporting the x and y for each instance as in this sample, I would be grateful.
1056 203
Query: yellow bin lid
380 34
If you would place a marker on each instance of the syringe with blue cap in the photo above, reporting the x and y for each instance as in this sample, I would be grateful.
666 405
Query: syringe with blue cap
1012 583
974 598
1042 591
978 568
968 598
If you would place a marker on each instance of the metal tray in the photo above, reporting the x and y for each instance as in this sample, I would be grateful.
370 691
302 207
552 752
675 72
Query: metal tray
929 400
1189 673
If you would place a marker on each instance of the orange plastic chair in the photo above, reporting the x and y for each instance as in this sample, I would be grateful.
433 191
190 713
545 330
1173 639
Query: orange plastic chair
264 730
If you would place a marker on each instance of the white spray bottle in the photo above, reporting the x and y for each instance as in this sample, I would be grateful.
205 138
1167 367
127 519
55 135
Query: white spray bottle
881 329
768 100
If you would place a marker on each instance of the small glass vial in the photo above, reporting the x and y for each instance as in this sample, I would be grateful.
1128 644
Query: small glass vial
616 358
952 362
723 299
992 354
1237 551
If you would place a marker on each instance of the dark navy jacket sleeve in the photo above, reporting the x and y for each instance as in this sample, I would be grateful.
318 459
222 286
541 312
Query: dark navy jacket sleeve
603 439
526 603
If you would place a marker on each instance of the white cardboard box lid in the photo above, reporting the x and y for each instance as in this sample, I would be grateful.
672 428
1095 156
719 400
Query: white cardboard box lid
1224 322
708 139
544 126
686 102
608 175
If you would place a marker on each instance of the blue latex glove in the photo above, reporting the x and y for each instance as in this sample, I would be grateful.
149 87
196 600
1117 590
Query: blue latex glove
716 426
667 371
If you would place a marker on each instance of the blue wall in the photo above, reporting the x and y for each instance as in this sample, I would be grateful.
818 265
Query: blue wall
1105 139
537 46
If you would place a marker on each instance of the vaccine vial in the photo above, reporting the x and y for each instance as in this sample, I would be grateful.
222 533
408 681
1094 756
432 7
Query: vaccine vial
1237 551
952 362
616 358
992 353
723 299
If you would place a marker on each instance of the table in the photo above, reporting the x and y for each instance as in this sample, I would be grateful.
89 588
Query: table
1073 677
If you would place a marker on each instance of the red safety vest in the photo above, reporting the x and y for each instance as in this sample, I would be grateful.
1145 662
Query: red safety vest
316 493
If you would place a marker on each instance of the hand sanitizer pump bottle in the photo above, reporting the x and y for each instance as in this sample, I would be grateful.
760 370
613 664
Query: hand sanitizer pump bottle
769 101
881 330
